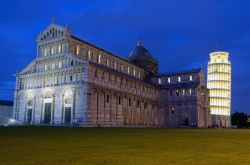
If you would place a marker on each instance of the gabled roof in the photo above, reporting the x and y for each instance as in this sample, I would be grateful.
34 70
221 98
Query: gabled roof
122 74
197 70
179 86
106 51
26 68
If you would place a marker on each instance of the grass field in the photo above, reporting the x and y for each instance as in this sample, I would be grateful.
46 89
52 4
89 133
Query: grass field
109 146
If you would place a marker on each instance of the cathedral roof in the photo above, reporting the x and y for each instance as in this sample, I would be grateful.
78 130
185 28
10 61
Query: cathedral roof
121 73
180 85
196 70
142 58
139 52
104 50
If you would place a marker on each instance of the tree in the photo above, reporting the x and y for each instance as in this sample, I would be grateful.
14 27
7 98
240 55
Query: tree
238 118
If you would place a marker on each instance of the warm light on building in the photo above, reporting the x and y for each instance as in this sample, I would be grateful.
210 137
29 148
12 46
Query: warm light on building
99 59
219 85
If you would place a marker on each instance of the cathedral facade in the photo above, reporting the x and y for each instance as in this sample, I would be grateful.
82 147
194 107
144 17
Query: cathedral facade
73 82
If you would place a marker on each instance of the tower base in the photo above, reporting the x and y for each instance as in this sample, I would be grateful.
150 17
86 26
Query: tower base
220 121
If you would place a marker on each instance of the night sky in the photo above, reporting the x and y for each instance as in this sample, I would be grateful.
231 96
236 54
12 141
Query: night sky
179 33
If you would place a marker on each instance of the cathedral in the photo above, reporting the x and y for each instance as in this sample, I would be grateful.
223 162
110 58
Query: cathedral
73 82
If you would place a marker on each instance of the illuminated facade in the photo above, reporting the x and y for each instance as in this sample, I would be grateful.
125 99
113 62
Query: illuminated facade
72 82
219 84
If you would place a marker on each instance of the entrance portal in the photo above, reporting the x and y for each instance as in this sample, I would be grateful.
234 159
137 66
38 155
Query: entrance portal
29 116
185 122
47 113
67 119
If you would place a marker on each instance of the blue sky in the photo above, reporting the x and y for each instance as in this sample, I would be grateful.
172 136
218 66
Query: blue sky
179 33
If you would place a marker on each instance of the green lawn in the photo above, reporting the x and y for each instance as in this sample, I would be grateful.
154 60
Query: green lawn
108 146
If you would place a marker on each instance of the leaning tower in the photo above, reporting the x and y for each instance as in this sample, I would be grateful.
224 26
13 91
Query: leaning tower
219 85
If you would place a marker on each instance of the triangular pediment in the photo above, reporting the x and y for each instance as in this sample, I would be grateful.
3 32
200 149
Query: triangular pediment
30 68
51 32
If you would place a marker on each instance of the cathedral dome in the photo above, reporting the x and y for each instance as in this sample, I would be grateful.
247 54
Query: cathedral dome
142 58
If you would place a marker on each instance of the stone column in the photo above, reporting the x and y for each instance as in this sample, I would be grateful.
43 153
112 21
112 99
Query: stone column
33 110
16 99
42 110
74 106
25 109
58 108
37 107
53 109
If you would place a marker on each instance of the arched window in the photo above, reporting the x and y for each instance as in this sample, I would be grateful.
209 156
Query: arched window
119 100
190 92
107 62
190 78
29 112
59 48
77 50
169 80
60 64
95 73
179 79
89 55
159 80
51 50
68 110
99 58
172 109
183 92
72 63
45 67
107 98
